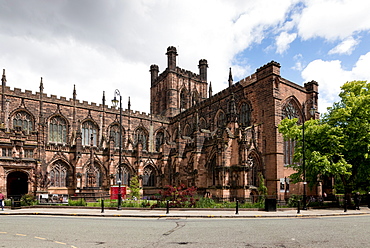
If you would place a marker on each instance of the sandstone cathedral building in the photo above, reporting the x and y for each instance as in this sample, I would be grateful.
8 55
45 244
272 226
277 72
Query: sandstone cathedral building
219 143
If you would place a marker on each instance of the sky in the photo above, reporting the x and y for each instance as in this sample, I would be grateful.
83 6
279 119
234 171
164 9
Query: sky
104 45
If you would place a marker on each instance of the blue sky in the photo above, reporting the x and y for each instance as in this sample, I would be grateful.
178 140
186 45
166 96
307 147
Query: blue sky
103 45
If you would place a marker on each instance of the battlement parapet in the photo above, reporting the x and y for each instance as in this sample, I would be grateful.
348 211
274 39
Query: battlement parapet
248 80
180 72
187 73
271 68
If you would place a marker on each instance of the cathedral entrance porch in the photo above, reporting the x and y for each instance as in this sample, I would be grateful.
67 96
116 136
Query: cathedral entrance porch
17 184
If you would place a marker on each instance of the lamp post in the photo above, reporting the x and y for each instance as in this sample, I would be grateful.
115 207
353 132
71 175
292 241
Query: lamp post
115 103
312 112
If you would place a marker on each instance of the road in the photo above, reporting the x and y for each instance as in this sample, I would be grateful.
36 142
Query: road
80 232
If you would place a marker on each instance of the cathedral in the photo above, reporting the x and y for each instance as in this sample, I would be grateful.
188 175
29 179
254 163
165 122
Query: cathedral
224 144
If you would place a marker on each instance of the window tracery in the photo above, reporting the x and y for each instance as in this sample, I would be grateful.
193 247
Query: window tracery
58 175
58 130
23 121
141 137
89 130
149 176
245 115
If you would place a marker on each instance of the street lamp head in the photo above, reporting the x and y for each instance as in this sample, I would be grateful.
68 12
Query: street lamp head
115 101
119 182
312 110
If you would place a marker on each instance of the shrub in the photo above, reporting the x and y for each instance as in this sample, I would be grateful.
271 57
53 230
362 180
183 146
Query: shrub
135 187
179 197
205 203
28 200
293 200
80 202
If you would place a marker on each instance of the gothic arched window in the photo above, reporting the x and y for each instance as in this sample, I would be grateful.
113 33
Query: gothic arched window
149 176
221 119
253 172
195 98
245 115
290 112
202 123
58 130
23 121
159 140
114 133
187 130
183 100
59 175
125 176
141 137
89 130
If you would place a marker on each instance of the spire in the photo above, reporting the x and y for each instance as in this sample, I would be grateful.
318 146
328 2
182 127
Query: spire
3 78
74 92
103 99
41 86
210 89
230 78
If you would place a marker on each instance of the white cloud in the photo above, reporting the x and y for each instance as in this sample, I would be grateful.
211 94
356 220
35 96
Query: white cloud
331 76
111 44
345 47
283 41
333 19
298 66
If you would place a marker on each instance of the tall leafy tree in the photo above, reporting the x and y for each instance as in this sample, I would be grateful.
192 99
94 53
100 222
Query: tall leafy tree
352 116
323 150
339 143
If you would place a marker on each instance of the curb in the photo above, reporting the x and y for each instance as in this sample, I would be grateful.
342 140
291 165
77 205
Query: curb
158 216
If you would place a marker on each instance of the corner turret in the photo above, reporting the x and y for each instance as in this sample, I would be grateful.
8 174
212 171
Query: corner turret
171 57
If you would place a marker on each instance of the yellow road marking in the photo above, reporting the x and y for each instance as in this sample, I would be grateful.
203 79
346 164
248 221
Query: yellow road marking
59 243
40 238
3 232
20 234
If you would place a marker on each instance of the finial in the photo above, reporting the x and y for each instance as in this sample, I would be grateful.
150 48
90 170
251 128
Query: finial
230 78
74 91
3 78
210 89
129 104
41 85
103 98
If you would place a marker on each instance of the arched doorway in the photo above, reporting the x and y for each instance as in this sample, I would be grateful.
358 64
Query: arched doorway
17 184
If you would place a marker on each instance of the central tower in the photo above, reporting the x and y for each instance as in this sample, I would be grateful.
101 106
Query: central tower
175 90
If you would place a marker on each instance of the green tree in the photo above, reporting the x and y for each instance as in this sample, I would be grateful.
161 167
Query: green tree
262 189
338 144
323 150
352 115
135 187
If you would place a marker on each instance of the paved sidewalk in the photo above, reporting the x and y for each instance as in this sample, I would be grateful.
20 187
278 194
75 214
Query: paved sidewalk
161 213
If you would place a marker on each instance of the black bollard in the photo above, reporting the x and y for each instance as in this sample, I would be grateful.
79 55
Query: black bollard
298 208
168 207
345 205
237 207
102 205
